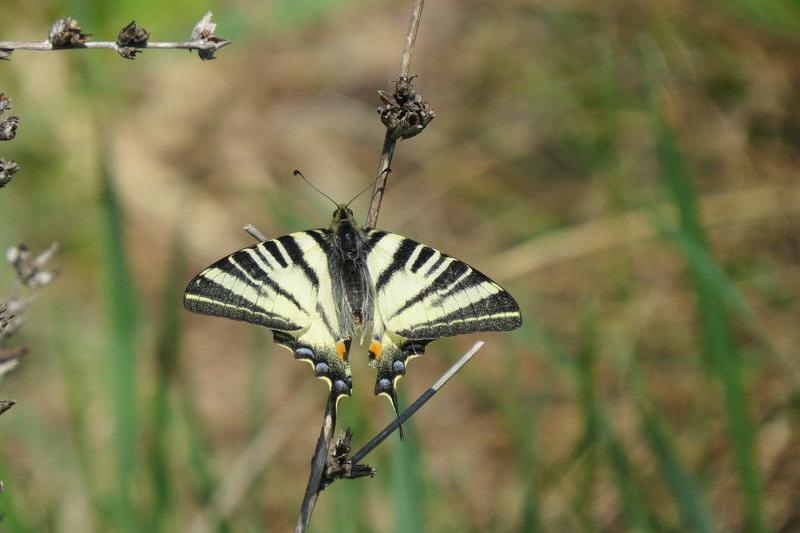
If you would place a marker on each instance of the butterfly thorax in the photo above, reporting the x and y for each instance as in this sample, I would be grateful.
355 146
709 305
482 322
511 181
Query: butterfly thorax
348 243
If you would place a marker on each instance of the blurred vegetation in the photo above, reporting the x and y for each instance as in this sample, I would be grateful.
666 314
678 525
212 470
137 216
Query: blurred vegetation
627 170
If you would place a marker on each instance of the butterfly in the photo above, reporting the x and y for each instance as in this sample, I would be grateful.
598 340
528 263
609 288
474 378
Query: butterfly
319 289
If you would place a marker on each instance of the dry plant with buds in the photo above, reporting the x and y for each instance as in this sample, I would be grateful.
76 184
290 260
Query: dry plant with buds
32 274
67 34
8 130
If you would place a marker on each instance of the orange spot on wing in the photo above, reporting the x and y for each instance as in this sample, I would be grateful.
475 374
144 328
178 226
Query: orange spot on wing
375 349
341 350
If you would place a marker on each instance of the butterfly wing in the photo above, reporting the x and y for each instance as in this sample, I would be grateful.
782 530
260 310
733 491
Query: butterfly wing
422 294
285 285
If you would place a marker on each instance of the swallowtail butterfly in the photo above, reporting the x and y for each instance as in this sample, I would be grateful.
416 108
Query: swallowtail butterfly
317 290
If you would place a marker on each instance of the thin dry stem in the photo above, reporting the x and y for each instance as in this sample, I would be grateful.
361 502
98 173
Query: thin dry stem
380 184
390 139
254 233
411 38
67 34
47 46
318 463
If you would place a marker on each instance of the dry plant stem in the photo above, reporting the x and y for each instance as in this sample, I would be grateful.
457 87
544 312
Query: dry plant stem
411 38
385 162
318 463
414 407
5 405
47 46
384 165
254 233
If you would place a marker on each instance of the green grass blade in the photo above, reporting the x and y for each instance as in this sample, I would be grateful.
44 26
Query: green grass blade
407 485
691 503
257 409
718 344
167 348
11 519
203 480
586 447
630 492
77 401
122 355
531 513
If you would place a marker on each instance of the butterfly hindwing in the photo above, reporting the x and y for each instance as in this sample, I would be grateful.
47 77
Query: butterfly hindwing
283 284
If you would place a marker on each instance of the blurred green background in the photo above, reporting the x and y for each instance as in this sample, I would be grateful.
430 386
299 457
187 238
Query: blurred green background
627 170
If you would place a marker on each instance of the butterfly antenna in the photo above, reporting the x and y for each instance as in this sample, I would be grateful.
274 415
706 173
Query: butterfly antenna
300 174
365 189
397 413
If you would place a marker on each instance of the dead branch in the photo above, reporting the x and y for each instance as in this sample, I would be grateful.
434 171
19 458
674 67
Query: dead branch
404 113
67 34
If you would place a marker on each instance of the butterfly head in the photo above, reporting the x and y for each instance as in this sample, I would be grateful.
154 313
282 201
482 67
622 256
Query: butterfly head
342 215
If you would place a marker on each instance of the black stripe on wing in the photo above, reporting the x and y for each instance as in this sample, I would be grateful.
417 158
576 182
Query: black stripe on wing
399 260
296 255
424 254
206 296
454 270
245 261
276 253
496 312
374 238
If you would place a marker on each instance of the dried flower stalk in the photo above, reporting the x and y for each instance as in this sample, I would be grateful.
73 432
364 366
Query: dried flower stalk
67 34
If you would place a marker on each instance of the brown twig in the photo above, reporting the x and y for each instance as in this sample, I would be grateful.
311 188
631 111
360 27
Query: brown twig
254 233
411 37
416 405
404 113
31 274
318 463
8 130
5 405
334 462
67 34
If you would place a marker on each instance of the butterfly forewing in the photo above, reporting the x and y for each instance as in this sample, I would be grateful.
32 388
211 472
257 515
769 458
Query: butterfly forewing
284 284
422 293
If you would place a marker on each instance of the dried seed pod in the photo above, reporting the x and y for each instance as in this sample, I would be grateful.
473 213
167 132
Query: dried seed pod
404 112
5 103
30 268
5 405
5 317
10 360
8 128
131 39
204 31
67 33
204 28
7 171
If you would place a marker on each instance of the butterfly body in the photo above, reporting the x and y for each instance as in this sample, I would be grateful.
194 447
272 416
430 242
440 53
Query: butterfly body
319 289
